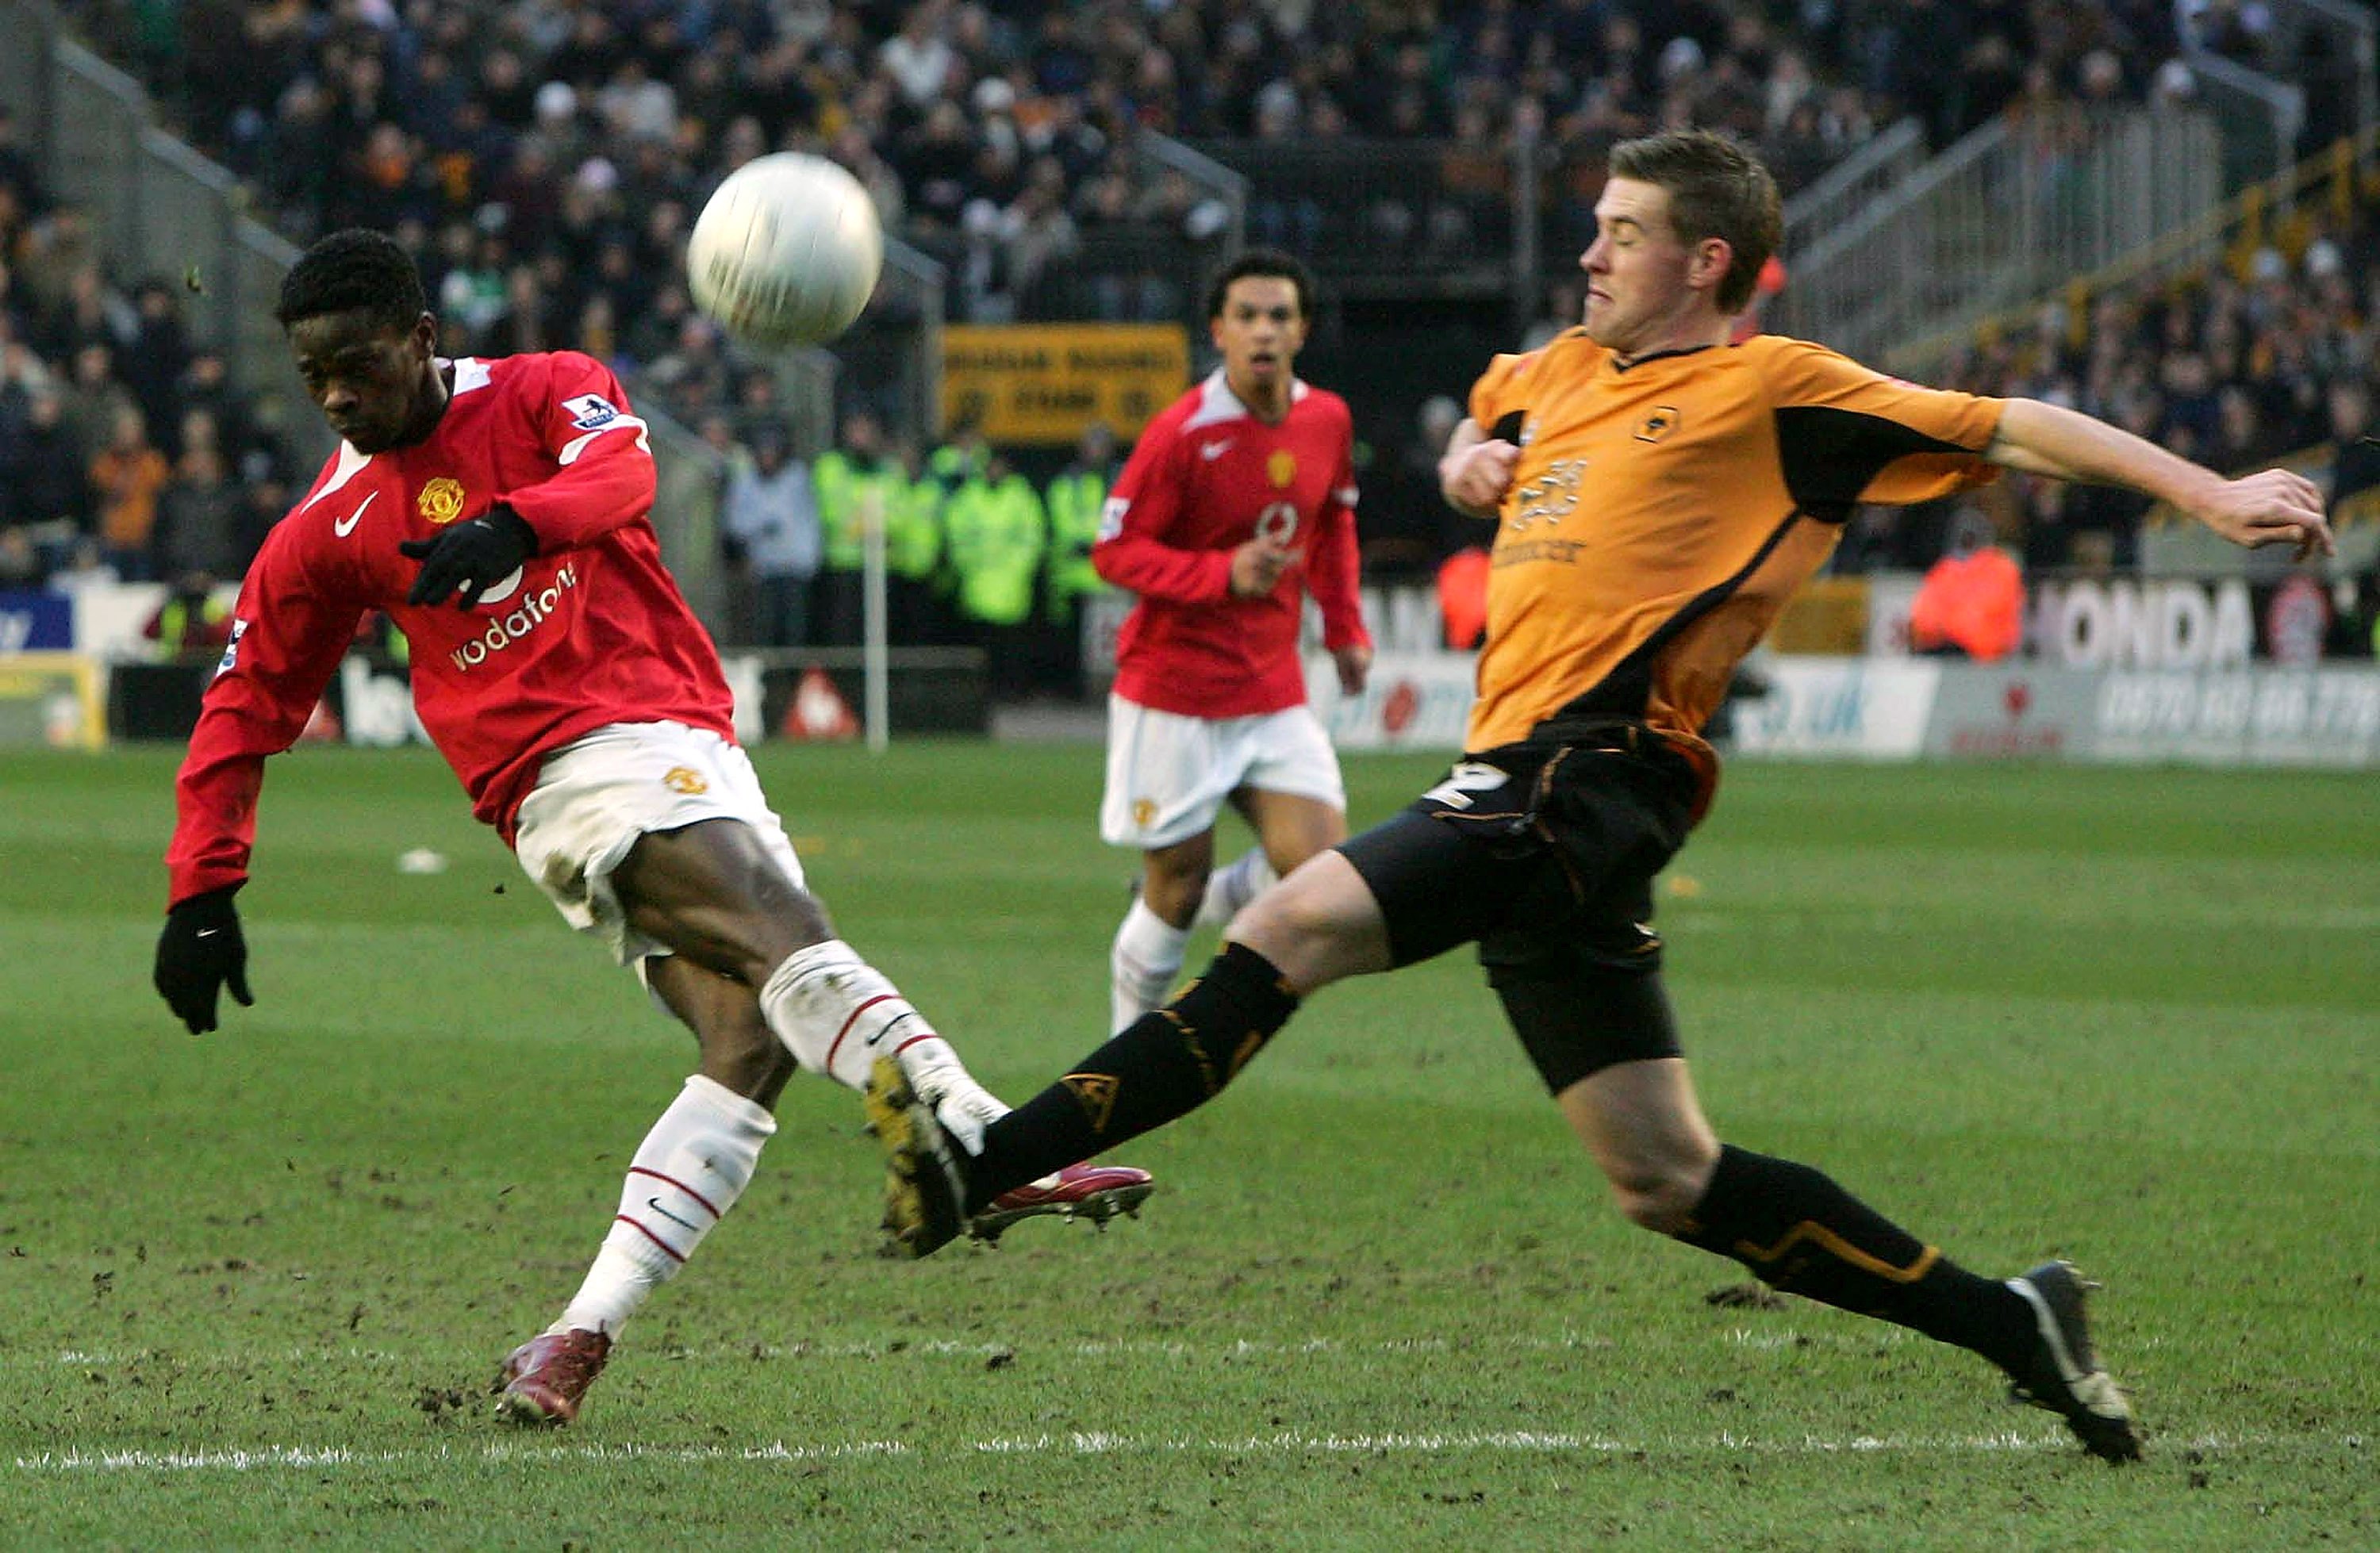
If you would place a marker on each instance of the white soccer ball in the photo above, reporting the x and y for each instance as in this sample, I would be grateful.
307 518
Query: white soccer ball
786 252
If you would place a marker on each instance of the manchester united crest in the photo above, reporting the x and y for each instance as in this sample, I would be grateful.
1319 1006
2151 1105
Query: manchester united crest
442 500
1281 469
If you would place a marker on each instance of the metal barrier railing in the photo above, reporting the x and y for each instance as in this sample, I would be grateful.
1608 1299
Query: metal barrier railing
2328 49
1384 217
1457 218
2235 226
1888 159
1184 260
1162 154
1138 273
2003 214
2260 117
690 482
890 362
157 208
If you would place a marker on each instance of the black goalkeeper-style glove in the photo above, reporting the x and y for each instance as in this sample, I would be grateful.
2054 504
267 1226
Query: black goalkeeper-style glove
199 952
472 557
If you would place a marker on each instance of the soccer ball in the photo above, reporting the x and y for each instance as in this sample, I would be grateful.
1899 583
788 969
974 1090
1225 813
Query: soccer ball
786 252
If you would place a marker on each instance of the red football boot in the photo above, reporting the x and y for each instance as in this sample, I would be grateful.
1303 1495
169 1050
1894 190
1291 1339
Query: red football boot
545 1380
1093 1192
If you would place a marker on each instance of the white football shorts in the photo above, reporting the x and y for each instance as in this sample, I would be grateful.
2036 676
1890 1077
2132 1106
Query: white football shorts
598 794
1168 774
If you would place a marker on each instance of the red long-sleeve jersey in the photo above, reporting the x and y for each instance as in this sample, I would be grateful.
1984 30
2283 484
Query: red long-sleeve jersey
1206 478
591 630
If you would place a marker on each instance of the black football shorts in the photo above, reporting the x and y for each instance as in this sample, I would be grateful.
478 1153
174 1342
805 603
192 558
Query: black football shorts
1544 854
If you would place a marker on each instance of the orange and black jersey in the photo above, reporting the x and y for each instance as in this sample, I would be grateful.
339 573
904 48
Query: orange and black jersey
1662 513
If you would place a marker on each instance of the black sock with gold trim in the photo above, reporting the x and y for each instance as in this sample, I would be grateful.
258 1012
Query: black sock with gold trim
1800 1231
1163 1066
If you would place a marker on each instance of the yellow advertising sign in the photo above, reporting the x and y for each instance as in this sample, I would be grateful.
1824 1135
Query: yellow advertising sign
1043 382
52 698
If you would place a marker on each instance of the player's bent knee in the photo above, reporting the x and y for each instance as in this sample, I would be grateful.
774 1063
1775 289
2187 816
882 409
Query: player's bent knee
1175 898
1282 921
1663 1202
1318 926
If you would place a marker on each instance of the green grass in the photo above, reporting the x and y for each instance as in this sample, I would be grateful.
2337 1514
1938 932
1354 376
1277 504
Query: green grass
247 1279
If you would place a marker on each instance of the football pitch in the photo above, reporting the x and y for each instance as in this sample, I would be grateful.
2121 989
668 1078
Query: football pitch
253 1285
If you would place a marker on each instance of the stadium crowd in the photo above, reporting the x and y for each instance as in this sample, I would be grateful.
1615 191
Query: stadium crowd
2267 354
542 160
125 450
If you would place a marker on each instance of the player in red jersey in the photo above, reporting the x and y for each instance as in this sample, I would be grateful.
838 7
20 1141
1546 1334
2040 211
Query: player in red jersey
1237 501
582 705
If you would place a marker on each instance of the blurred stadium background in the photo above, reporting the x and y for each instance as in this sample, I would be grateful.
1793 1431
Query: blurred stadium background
2164 211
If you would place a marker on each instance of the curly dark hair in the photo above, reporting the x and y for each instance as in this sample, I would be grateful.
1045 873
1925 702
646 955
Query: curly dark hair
1271 263
354 271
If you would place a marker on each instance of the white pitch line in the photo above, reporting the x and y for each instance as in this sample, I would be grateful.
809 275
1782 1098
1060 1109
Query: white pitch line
1101 1443
973 1348
299 1456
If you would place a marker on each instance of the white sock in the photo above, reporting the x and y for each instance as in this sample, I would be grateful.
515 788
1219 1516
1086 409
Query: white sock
1230 888
1143 964
686 1174
837 1014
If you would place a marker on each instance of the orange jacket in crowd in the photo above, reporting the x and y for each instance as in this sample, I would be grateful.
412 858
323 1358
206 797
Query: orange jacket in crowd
1462 597
127 483
1973 603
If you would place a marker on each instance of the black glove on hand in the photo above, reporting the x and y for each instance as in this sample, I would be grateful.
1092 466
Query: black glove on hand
200 952
470 556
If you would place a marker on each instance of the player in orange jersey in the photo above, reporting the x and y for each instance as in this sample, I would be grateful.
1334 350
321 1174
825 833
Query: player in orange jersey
1659 494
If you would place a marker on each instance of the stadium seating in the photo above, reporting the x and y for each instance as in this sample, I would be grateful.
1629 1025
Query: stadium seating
545 171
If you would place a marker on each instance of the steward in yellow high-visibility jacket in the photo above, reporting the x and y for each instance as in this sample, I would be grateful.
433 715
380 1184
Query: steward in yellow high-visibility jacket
995 533
854 480
1074 500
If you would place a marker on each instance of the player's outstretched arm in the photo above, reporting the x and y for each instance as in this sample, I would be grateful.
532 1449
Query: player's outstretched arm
1474 470
2272 506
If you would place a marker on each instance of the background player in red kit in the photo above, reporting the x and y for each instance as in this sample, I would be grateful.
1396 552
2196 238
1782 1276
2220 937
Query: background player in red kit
1238 499
583 707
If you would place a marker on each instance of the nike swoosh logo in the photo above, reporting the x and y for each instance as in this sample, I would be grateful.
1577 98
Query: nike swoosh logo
347 525
209 932
1212 451
655 1204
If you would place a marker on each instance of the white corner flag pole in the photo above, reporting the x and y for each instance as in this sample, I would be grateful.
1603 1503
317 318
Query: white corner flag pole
875 659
